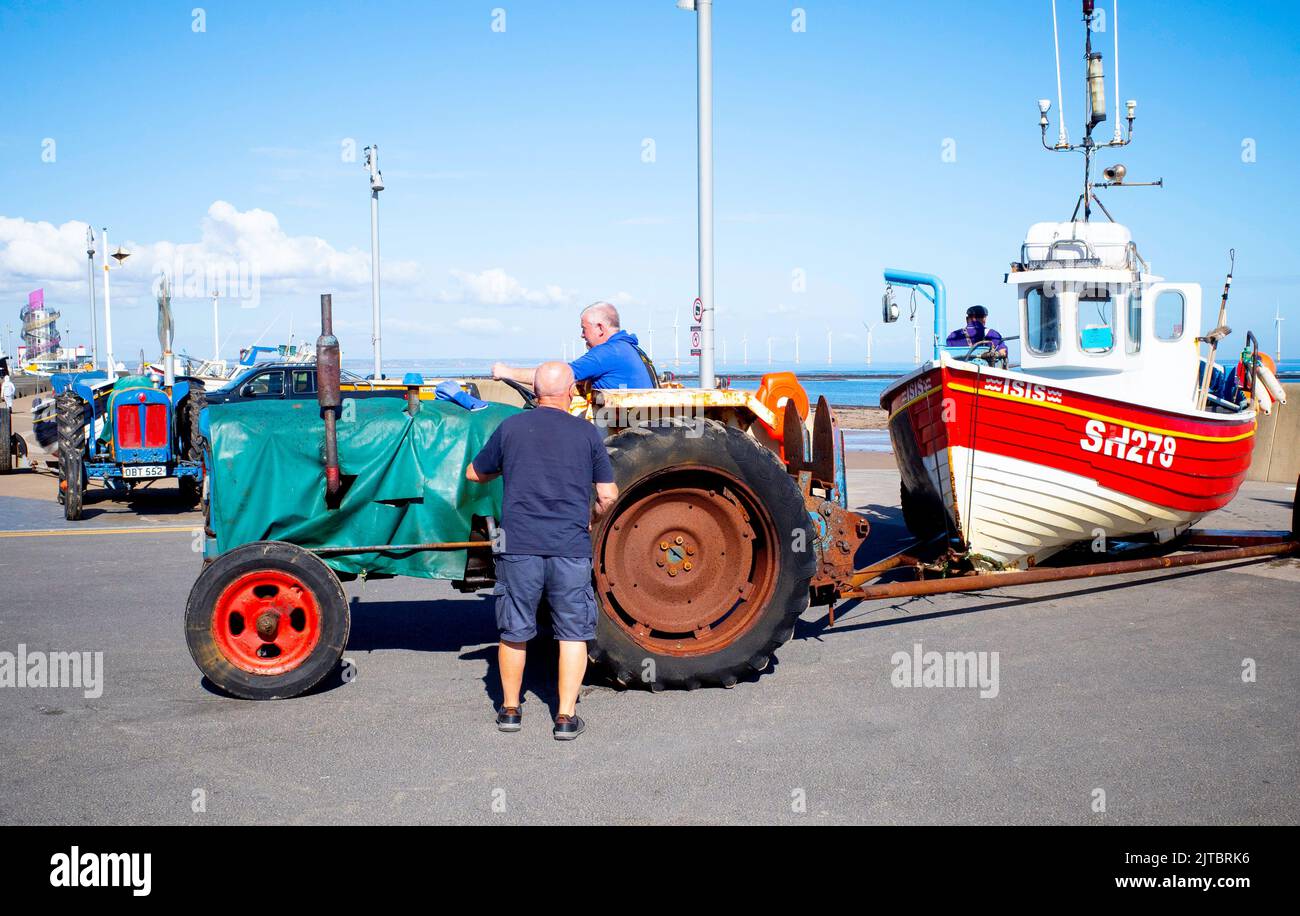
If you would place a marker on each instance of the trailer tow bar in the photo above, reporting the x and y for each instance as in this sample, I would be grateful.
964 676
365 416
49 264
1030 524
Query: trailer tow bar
1227 545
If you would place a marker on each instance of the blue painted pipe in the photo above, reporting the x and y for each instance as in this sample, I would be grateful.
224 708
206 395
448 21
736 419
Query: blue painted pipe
933 289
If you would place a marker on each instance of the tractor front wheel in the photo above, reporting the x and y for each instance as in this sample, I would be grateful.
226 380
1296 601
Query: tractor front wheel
71 412
702 566
267 621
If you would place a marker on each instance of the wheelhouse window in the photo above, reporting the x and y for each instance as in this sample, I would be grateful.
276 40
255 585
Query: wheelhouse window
1096 320
1133 321
1042 320
1170 315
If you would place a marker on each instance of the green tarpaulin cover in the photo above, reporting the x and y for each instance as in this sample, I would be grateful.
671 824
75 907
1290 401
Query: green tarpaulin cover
404 479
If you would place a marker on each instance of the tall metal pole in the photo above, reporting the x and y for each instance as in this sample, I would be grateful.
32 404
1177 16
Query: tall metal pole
90 282
216 329
376 185
704 48
108 307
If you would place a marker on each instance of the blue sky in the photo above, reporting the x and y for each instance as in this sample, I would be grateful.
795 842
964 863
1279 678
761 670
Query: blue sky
516 186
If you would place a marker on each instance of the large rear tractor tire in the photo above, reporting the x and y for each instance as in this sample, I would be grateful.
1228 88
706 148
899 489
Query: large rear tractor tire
267 621
71 412
191 491
194 441
6 441
195 445
702 566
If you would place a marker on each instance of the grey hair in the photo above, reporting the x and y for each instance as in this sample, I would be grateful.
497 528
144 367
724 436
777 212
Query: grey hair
604 312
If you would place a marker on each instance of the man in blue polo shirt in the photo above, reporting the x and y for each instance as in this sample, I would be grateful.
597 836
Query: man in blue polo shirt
549 462
613 358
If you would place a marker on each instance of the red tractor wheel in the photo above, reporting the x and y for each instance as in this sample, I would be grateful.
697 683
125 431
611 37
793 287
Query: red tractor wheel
266 621
703 565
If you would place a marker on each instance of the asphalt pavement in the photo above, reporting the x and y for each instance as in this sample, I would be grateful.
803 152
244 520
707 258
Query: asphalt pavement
1172 698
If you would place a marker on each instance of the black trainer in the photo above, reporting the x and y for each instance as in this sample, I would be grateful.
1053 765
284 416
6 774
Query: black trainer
568 727
510 719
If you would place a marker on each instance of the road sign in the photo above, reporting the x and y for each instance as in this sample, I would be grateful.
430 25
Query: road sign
696 340
698 309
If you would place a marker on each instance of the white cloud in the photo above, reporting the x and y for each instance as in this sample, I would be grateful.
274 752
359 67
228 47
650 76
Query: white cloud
495 287
241 253
34 254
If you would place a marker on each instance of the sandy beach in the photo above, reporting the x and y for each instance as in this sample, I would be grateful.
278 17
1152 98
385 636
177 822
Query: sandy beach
861 417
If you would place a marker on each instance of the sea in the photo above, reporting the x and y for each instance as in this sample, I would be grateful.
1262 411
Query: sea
846 385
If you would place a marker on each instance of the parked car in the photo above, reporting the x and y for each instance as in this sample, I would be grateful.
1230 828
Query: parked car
277 381
283 381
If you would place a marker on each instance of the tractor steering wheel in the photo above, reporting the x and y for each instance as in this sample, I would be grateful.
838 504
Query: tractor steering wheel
530 399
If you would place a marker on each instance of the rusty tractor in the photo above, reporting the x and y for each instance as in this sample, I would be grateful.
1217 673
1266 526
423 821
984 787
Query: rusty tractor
731 520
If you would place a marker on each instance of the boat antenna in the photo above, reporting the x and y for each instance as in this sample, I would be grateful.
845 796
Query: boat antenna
1114 28
1062 141
1095 97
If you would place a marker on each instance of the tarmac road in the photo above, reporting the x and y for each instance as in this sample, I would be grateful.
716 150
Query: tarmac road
1136 691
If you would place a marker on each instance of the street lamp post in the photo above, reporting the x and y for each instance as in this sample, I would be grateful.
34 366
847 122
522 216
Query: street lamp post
376 185
216 330
90 283
108 306
704 109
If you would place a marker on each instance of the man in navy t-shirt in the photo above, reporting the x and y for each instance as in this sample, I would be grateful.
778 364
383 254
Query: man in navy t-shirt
548 461
613 358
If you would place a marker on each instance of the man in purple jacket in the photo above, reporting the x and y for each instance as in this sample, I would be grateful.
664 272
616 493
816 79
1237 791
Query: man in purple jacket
975 332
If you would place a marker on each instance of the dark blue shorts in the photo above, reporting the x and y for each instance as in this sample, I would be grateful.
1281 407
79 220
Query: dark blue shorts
522 581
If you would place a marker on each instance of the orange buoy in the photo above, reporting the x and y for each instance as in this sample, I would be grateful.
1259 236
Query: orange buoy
777 391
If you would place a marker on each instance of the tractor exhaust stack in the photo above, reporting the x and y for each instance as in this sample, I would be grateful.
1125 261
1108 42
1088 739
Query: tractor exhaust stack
328 365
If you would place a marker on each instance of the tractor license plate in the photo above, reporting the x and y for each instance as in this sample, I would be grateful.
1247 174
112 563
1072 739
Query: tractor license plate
147 470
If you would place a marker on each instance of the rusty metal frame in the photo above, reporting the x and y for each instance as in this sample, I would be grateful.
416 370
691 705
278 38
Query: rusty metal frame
1223 546
397 548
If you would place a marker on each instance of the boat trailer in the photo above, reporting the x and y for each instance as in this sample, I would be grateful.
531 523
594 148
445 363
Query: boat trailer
1203 546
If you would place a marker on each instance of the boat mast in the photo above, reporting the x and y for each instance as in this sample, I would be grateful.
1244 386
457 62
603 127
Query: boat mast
1095 82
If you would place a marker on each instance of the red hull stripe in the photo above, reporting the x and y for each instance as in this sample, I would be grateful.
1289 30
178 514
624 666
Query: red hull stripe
1131 420
1173 461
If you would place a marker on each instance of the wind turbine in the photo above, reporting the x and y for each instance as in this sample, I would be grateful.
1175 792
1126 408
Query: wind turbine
870 328
829 360
796 348
744 344
769 351
650 336
724 351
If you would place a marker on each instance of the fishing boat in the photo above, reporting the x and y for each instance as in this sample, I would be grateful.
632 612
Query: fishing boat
1111 426
216 373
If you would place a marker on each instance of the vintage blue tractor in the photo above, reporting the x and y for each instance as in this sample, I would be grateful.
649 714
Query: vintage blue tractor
128 432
